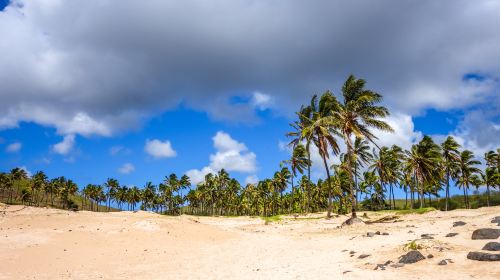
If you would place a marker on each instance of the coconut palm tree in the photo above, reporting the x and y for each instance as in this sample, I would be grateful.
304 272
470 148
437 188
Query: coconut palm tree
423 161
320 130
450 156
361 156
298 163
466 171
491 174
356 115
111 186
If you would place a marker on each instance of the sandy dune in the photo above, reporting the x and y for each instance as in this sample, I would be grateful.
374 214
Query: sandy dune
37 243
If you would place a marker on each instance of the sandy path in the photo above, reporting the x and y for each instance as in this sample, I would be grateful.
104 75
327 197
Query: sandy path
40 243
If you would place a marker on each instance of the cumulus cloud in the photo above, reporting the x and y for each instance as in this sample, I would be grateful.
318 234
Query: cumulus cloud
230 155
126 168
159 149
86 67
14 147
65 146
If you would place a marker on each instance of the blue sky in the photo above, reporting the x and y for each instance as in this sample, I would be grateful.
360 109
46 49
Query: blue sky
84 87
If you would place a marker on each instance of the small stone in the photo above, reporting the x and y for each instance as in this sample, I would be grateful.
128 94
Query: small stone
397 265
443 262
459 224
492 246
484 257
451 234
430 256
377 232
385 233
496 220
387 262
485 233
411 257
352 252
370 234
363 256
411 231
426 236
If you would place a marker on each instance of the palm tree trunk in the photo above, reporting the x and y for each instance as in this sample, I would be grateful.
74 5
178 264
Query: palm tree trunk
488 195
465 199
329 214
447 194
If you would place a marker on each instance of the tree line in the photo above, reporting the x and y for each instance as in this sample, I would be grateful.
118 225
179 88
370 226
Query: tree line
344 129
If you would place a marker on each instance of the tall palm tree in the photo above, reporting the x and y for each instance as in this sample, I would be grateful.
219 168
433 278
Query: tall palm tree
361 156
356 115
450 155
422 161
320 130
298 163
491 174
467 170
111 186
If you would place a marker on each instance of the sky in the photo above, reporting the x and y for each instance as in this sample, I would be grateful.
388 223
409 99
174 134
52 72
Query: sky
136 91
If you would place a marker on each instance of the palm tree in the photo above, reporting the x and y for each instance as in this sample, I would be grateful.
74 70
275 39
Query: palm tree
111 186
320 131
357 115
450 155
491 174
467 170
423 161
361 156
299 162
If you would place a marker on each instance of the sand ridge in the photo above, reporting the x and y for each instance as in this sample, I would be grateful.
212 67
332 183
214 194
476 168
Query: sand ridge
40 243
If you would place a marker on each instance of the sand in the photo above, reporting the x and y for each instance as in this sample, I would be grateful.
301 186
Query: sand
40 243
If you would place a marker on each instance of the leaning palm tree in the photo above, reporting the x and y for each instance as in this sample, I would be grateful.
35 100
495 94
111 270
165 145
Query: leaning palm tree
357 115
467 172
320 129
450 155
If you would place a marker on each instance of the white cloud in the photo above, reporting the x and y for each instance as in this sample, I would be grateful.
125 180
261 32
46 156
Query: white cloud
230 155
29 173
404 134
126 168
251 179
197 176
14 147
65 146
261 100
115 150
159 149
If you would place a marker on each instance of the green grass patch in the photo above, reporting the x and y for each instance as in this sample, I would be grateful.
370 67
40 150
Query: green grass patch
409 211
271 219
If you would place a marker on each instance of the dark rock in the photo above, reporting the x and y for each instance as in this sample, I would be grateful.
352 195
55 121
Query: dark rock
385 233
363 256
459 224
426 236
451 234
352 252
387 262
485 233
484 257
496 220
370 234
411 231
411 257
492 246
377 232
352 221
443 262
430 256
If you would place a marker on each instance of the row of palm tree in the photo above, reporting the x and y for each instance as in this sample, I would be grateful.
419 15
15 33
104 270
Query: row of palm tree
341 130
